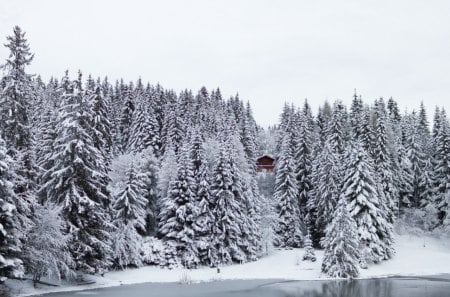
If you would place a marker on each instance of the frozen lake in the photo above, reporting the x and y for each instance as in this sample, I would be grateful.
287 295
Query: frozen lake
438 286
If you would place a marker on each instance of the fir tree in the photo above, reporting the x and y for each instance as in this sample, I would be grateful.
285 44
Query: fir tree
309 254
365 205
303 160
341 245
101 124
336 128
383 162
149 171
10 264
205 217
126 117
287 230
442 170
178 228
15 105
129 204
144 130
76 182
327 181
226 232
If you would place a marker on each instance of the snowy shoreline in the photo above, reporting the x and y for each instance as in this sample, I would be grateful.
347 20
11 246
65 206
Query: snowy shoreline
416 256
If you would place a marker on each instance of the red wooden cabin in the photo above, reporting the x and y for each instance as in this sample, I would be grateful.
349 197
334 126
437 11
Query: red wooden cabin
265 164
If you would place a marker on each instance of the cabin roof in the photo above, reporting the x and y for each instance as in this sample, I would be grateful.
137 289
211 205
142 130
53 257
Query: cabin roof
266 156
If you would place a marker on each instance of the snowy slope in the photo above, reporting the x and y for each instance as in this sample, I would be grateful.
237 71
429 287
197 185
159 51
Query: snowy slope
415 256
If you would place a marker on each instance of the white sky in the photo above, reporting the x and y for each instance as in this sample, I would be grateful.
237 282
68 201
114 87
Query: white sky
269 51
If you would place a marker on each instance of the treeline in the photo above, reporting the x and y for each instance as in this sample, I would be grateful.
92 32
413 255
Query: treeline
95 175
345 176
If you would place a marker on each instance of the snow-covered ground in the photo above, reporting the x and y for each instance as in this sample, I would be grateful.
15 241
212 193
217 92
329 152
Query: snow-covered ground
414 256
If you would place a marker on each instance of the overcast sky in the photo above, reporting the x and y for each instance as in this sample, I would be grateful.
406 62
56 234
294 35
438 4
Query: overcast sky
268 51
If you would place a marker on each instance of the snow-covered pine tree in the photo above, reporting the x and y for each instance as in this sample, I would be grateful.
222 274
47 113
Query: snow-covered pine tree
323 118
327 178
15 101
149 170
167 173
130 213
442 170
383 162
115 112
336 129
404 179
356 116
101 124
367 136
246 194
248 134
423 128
426 185
178 227
393 111
159 99
417 160
129 204
144 129
190 106
309 254
204 218
341 256
46 140
427 197
303 159
46 131
126 117
364 202
10 247
15 95
288 225
76 182
226 232
173 129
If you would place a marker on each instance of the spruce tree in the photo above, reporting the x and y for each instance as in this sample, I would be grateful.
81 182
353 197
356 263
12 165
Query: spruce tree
130 212
205 217
303 160
178 227
144 130
287 229
336 129
327 181
10 247
309 254
173 128
15 105
126 117
341 256
247 196
383 162
356 116
129 204
226 230
101 124
442 170
76 182
365 205
149 171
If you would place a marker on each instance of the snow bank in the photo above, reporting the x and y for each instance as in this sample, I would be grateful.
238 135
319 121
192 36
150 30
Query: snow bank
414 256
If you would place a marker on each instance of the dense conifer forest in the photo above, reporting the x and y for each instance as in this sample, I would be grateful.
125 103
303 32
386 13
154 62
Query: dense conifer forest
99 175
